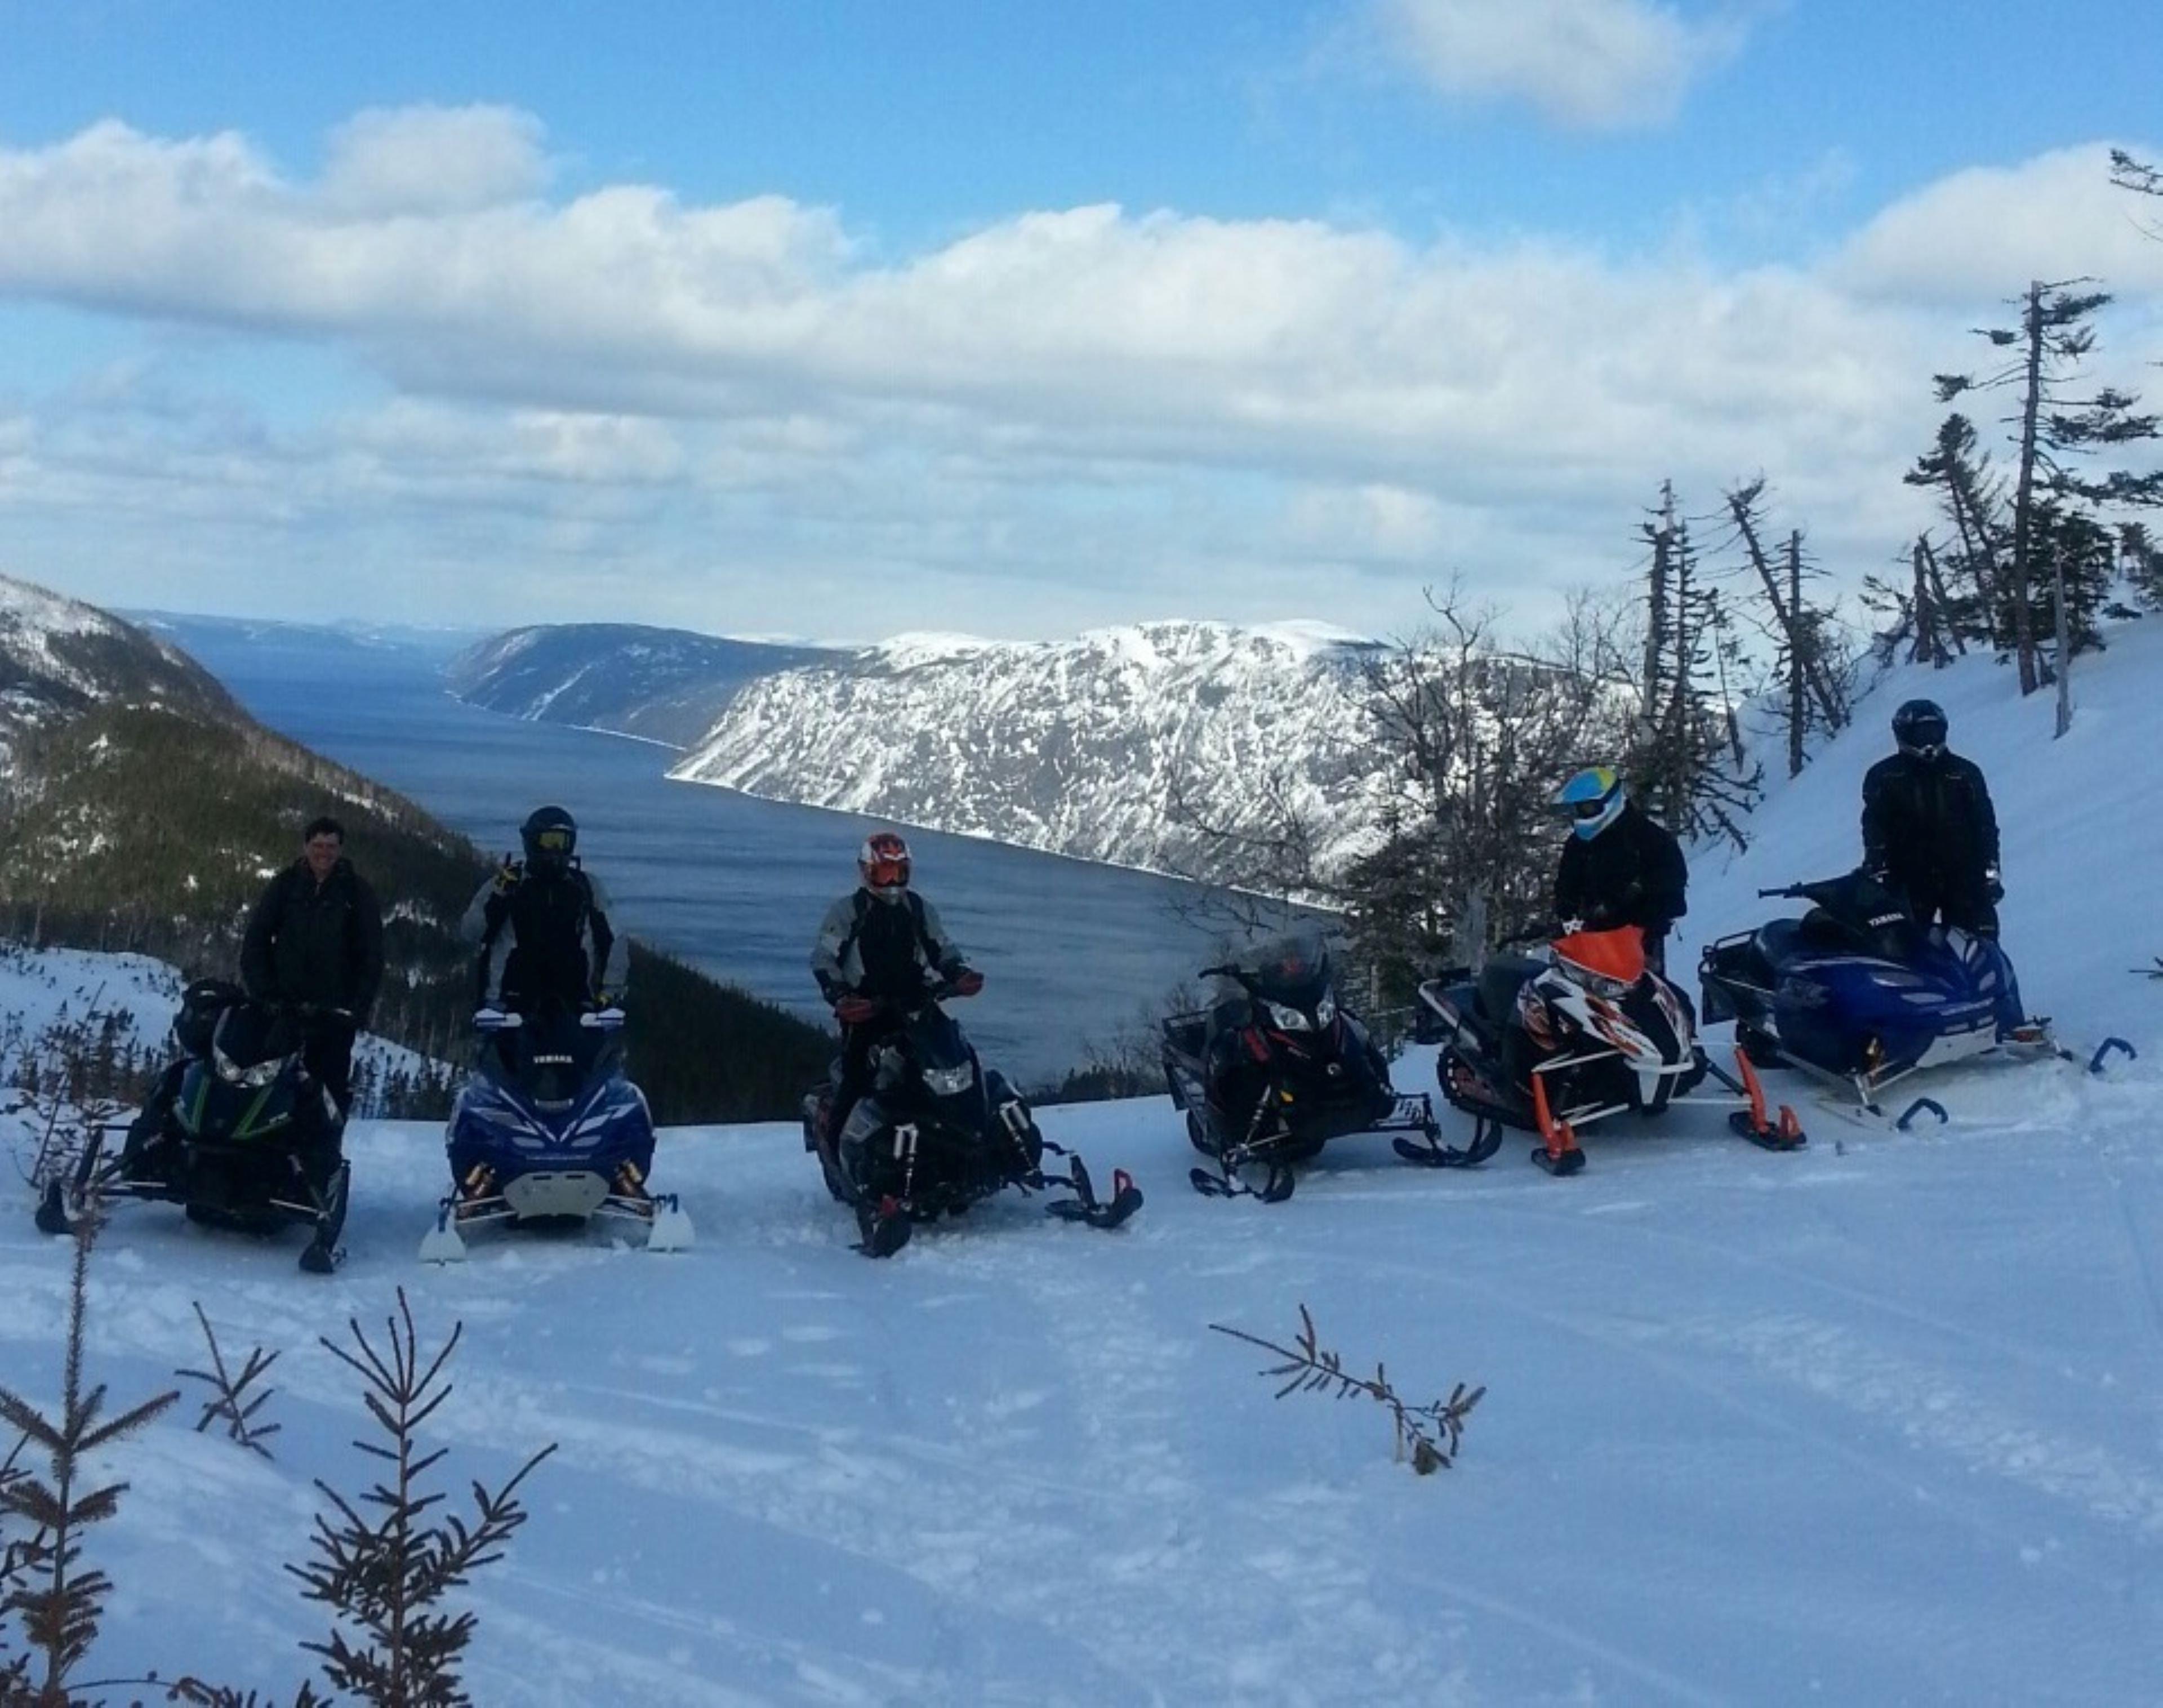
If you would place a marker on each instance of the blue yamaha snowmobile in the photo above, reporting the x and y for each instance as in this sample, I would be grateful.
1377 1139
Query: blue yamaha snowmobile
548 1129
1856 993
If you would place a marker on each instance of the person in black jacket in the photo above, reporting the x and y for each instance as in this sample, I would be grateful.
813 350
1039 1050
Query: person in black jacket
314 946
879 949
1928 830
542 924
1619 867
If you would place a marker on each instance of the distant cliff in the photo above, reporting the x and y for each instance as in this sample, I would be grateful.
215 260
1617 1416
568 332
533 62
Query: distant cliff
667 685
1130 745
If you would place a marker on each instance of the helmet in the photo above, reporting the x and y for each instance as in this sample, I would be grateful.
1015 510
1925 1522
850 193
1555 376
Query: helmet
549 834
883 863
1919 728
1590 800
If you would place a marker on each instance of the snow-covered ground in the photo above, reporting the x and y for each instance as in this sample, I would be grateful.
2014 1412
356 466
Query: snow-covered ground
1877 1422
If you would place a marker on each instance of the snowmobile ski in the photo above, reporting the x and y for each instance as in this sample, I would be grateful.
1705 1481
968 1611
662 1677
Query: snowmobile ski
1486 1139
1085 1206
1225 1183
885 1227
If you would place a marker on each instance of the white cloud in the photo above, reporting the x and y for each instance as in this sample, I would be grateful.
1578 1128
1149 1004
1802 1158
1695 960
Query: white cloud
1123 414
1984 233
1594 64
433 160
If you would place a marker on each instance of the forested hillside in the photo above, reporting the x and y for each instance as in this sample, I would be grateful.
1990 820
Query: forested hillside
145 812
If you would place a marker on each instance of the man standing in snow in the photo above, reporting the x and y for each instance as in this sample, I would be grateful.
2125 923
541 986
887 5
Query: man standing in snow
1621 867
1928 830
314 945
880 948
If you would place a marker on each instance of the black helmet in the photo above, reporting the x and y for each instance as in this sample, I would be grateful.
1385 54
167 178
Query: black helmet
1919 728
549 834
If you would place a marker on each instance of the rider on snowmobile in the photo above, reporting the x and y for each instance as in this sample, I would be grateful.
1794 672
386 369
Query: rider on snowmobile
879 948
1928 830
1619 867
547 948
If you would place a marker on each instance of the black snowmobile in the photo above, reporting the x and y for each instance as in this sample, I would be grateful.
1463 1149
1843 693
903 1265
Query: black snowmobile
1552 1042
238 1132
1277 1067
938 1131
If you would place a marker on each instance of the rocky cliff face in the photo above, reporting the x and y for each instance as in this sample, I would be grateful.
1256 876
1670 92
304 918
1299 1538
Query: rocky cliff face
1131 745
666 685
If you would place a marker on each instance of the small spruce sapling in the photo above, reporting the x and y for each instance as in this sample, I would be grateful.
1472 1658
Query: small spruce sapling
386 1576
1429 1434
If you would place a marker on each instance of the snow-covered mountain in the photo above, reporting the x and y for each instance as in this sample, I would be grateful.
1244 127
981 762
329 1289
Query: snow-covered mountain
666 685
1873 1421
59 658
1118 745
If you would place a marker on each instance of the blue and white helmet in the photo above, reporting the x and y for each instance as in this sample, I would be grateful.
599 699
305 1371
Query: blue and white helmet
1592 799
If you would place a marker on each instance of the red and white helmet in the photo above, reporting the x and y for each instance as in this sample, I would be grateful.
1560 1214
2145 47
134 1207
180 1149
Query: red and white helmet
883 863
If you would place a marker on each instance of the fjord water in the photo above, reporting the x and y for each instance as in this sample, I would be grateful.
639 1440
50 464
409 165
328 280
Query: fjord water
1072 951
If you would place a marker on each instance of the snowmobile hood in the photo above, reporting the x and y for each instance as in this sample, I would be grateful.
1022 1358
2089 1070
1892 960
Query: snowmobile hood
1618 954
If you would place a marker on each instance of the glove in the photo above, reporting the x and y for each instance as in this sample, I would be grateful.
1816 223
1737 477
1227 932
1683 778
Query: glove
853 1010
966 981
1991 887
1600 917
507 875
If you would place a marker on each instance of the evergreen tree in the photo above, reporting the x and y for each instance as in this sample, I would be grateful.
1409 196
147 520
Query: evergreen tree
2055 430
1963 581
1687 763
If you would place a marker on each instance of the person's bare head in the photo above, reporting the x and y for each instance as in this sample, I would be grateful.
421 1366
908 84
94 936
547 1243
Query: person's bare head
321 845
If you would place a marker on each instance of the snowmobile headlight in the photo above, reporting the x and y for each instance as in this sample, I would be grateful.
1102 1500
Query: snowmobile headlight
254 1077
1286 1019
1325 1011
1599 983
949 1081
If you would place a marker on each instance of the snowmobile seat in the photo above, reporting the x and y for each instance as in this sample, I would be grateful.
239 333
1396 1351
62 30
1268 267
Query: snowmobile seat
1495 999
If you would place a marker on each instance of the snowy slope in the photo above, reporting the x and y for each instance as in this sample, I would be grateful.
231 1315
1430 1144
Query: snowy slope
43 992
1077 746
59 656
1878 1421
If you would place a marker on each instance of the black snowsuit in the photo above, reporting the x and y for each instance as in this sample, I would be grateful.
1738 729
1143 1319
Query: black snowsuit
1929 827
545 936
1631 873
888 951
320 944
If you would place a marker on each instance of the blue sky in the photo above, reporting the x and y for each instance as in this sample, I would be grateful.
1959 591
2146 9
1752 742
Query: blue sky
840 319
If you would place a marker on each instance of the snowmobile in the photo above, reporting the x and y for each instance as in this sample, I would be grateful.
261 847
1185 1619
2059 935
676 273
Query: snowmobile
1552 1041
1278 1066
936 1132
549 1131
1858 994
239 1133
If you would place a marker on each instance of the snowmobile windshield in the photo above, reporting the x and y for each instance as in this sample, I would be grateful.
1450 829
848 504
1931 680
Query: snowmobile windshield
1293 972
550 1058
939 1054
249 1044
1875 918
1609 962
